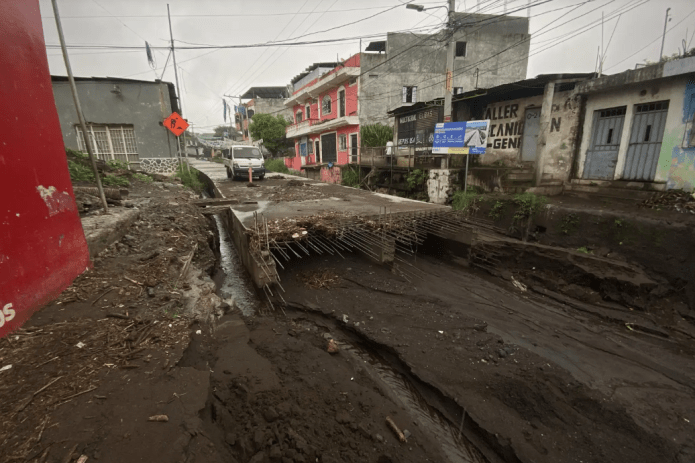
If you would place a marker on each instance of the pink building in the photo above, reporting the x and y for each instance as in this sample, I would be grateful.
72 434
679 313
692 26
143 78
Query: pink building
324 110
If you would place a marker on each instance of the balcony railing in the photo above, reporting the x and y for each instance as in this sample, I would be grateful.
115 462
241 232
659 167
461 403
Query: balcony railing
305 124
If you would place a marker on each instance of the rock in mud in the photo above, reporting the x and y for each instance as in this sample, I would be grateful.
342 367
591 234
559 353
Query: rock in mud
332 347
343 417
270 414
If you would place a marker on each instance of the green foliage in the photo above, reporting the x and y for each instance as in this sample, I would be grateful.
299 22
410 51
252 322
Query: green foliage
218 160
271 129
350 177
415 179
190 178
496 210
114 180
376 135
296 172
80 172
276 165
528 204
142 178
585 250
76 154
466 201
569 224
115 164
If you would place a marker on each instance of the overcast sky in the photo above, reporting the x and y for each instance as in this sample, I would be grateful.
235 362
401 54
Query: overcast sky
208 74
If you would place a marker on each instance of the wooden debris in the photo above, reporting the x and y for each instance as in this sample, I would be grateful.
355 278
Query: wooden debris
392 425
82 459
158 418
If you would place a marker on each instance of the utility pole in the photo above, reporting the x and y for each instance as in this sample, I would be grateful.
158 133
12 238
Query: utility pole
663 37
78 107
178 92
450 52
449 81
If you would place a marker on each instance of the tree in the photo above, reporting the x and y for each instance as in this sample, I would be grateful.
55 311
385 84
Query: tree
376 134
221 129
271 129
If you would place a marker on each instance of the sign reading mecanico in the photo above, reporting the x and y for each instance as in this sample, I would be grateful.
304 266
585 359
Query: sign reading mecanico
506 127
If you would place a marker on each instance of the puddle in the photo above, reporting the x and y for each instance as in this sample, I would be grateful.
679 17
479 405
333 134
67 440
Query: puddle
236 284
454 445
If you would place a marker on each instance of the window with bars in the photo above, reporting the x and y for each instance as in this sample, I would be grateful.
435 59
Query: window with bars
409 94
326 105
111 142
343 142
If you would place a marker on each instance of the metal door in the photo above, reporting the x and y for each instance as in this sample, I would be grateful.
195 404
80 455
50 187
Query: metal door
602 154
645 141
532 125
353 147
329 150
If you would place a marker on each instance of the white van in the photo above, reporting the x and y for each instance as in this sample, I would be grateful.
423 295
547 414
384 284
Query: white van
240 158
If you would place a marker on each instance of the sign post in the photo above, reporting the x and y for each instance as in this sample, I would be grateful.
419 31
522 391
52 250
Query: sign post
461 138
177 125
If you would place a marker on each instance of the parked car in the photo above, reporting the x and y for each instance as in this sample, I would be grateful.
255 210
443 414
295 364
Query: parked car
238 160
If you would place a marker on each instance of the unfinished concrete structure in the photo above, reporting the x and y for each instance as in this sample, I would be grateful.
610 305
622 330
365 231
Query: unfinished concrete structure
408 68
262 100
124 117
284 217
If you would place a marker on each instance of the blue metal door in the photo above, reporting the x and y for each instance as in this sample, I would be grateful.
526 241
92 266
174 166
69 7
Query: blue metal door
602 155
645 141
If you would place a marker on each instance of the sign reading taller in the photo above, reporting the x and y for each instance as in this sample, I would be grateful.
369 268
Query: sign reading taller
176 124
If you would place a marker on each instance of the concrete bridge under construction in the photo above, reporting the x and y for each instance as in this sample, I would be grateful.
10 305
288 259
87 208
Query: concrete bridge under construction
284 217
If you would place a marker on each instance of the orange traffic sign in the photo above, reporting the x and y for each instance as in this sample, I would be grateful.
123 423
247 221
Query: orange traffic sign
176 124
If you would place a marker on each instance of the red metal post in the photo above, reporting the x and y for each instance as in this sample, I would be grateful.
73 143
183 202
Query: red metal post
42 245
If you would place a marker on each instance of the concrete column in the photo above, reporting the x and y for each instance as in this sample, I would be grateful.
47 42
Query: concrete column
544 129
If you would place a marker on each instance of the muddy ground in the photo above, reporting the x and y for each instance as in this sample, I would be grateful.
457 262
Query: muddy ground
136 363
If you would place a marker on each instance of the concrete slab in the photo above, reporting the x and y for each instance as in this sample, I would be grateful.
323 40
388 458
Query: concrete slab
103 230
212 170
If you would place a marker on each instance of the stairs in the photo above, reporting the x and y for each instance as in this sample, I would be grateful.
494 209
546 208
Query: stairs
518 179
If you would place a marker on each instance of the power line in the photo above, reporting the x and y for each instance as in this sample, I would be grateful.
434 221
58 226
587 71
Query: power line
244 15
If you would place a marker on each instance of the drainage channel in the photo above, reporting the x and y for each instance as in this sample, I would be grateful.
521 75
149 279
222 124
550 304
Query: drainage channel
236 283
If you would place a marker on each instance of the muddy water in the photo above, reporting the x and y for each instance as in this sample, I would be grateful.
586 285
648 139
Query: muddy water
236 283
454 445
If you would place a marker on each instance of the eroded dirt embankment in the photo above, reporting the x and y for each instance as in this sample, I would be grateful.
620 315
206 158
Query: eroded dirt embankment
545 381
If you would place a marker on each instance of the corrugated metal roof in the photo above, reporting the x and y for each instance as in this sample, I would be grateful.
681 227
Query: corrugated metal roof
537 83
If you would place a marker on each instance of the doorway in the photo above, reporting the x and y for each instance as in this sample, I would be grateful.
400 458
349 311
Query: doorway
532 125
329 151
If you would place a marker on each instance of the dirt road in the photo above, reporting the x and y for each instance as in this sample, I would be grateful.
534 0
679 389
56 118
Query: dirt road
135 363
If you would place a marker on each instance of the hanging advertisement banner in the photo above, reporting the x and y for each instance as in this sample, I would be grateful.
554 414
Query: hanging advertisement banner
461 137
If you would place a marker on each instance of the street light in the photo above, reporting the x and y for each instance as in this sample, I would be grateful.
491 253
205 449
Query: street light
411 6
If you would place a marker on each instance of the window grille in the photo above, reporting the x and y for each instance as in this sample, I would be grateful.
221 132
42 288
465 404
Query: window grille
308 112
326 105
409 94
611 112
343 142
110 142
299 117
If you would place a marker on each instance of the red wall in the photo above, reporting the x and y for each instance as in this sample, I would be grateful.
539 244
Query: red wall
42 246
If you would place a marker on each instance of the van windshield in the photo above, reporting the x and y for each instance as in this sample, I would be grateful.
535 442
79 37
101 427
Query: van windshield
247 153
